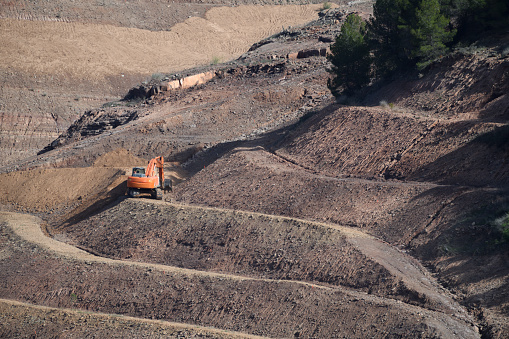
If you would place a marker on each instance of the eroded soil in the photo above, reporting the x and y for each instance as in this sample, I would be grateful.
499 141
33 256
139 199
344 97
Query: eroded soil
63 276
291 216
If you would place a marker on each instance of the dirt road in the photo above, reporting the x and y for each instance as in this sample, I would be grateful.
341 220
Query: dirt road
439 314
46 321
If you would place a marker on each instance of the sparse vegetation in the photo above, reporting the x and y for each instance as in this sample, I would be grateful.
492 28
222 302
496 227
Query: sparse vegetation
385 104
505 228
326 5
157 76
482 231
502 224
215 60
276 189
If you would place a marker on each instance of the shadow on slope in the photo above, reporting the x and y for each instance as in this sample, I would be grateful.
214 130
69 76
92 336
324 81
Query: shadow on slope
482 161
93 207
270 140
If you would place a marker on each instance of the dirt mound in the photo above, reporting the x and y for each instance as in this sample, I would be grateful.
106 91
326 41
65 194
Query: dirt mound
119 158
43 190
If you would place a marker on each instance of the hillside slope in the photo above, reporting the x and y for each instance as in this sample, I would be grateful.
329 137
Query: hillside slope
62 58
291 216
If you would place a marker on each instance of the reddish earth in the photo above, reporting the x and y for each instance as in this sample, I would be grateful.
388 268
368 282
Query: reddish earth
291 216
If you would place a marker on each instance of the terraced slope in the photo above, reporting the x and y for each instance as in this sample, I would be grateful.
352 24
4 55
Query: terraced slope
59 274
46 321
62 58
296 216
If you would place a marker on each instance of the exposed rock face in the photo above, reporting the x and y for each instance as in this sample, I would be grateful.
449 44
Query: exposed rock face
146 91
92 123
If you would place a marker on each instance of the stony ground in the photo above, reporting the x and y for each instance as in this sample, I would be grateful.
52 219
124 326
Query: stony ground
61 58
291 216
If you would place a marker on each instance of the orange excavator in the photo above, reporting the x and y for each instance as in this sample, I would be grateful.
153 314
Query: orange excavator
148 180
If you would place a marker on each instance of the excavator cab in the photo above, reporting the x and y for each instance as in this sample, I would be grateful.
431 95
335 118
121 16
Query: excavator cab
138 172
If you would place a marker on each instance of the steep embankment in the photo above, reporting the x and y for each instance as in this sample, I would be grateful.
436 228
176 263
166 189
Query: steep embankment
406 175
58 64
432 181
380 143
461 86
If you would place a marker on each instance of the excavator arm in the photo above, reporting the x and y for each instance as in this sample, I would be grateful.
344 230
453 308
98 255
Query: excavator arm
152 165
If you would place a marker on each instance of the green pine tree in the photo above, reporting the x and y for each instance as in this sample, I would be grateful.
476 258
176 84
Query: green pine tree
430 33
389 36
350 58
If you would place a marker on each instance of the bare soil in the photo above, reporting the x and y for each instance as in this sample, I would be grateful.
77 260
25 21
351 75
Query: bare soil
58 277
43 322
292 215
62 58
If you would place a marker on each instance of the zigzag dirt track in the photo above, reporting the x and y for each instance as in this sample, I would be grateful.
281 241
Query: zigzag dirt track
28 229
292 215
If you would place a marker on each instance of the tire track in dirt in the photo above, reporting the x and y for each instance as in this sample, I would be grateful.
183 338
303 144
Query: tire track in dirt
93 51
88 322
414 276
223 236
401 266
27 228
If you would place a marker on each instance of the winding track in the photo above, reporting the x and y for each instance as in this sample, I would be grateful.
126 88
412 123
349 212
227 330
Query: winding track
451 321
7 306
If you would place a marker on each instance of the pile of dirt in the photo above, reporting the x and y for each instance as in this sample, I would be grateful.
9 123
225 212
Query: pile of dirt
119 158
45 190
